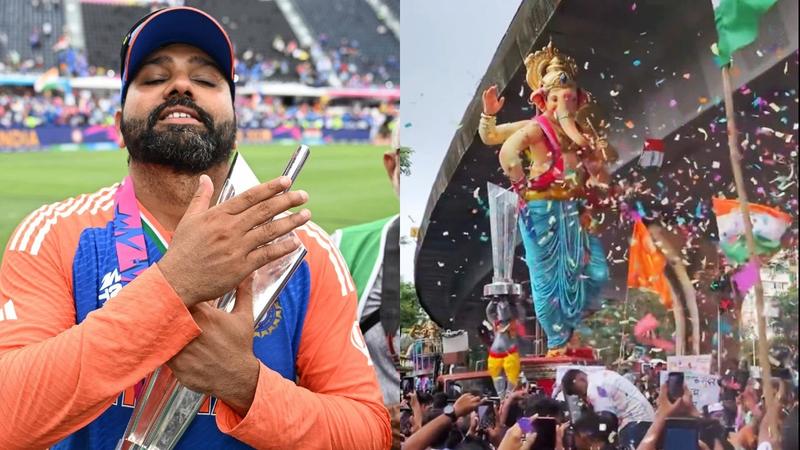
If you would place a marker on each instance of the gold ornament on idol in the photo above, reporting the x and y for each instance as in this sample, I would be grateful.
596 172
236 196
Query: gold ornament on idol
548 68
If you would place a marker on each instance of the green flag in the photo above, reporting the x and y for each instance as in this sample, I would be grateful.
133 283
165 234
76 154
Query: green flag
737 24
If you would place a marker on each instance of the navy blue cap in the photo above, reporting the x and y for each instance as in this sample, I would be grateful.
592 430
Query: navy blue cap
177 25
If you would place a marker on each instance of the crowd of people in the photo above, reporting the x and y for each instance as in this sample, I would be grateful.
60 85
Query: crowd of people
603 410
312 65
87 108
316 64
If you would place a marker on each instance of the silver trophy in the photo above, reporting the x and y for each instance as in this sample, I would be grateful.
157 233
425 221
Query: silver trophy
165 408
503 223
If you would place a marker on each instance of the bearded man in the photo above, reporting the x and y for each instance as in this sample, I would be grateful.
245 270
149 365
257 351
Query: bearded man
93 312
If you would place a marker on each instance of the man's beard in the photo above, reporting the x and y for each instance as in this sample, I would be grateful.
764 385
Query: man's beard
189 149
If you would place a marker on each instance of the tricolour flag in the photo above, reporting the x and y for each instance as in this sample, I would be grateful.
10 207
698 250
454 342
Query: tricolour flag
769 224
646 265
48 80
737 24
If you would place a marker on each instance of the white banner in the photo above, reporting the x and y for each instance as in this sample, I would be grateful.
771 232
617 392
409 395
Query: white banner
689 363
704 387
455 342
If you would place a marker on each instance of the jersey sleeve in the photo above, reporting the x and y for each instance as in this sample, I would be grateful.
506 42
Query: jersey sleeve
58 376
337 402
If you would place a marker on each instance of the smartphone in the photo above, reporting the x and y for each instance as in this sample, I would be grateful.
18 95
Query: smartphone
545 428
486 418
674 386
574 407
482 412
525 425
681 434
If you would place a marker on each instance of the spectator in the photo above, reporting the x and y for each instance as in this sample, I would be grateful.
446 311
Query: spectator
606 390
437 427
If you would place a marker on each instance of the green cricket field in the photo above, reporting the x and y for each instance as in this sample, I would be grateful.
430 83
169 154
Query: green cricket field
346 184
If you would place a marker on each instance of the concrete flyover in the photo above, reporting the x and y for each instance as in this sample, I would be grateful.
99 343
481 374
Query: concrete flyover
652 72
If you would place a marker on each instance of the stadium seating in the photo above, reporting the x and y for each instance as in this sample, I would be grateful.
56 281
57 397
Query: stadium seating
251 24
19 19
104 26
364 51
356 21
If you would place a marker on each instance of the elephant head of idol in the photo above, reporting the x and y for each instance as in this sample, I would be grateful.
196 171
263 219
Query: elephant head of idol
551 76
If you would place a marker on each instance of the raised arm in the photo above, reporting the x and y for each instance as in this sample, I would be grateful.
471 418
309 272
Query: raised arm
488 130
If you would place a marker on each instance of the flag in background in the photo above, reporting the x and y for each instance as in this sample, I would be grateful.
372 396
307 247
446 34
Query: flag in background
652 154
737 24
769 224
48 80
646 265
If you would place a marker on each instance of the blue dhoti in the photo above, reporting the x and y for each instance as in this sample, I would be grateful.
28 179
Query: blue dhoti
567 266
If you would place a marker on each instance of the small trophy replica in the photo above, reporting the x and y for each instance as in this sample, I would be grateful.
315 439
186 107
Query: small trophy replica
503 224
165 408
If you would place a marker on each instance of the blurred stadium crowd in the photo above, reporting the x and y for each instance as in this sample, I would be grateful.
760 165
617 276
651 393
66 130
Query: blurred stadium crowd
311 44
29 110
351 42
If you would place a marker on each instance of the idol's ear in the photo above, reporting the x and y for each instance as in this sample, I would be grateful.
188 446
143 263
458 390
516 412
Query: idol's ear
538 99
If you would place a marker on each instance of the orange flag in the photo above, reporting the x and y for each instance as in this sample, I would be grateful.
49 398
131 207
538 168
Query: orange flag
646 265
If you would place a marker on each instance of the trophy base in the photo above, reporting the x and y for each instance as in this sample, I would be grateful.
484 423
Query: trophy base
502 289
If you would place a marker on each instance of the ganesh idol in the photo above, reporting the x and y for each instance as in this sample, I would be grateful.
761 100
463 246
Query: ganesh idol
556 163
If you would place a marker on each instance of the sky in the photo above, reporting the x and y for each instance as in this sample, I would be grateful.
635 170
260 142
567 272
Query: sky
445 49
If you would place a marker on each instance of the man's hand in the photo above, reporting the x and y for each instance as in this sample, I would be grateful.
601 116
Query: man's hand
466 404
221 361
492 104
213 249
514 439
680 406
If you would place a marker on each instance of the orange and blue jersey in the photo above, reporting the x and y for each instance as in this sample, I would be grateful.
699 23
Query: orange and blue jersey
75 339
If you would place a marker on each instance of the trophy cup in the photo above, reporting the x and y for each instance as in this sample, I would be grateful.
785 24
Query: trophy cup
164 409
503 223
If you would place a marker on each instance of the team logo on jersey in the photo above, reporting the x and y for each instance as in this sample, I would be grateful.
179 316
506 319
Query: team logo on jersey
270 321
110 286
357 339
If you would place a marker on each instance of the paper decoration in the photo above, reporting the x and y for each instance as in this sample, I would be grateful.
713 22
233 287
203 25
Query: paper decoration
689 363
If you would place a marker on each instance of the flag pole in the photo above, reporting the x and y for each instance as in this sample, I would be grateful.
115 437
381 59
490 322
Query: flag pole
719 342
624 324
763 344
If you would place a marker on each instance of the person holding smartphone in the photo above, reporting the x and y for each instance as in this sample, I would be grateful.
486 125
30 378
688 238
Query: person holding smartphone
99 302
678 425
435 431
